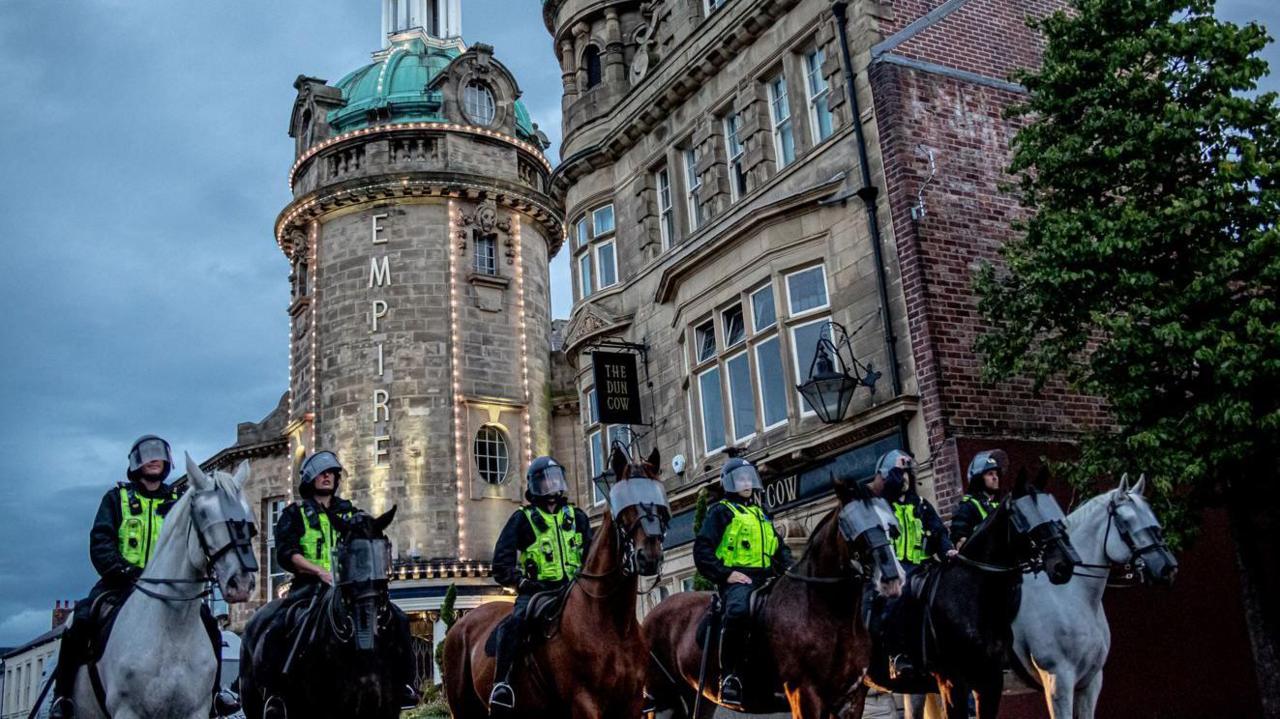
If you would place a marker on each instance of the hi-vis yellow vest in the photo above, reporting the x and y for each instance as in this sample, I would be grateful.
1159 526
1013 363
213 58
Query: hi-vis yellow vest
749 541
142 518
556 552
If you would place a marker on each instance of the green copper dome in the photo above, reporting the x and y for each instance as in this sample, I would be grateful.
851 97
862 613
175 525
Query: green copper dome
392 90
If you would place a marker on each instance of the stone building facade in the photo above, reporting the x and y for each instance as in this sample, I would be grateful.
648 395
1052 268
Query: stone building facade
722 214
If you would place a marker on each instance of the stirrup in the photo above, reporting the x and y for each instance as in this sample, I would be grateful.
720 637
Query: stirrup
225 703
901 667
502 697
731 690
62 708
409 698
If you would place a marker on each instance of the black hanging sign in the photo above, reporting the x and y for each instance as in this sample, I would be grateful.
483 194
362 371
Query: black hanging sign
617 387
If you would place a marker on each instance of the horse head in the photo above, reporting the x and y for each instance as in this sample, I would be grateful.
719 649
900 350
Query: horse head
867 527
1139 538
224 530
362 569
1040 530
639 506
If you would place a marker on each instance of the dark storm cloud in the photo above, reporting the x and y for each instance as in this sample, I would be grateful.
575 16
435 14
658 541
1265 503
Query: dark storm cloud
143 159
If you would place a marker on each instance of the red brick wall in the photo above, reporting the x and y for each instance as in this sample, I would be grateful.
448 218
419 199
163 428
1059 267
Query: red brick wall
968 217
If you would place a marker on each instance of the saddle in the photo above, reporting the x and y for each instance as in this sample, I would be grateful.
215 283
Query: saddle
103 613
541 616
711 619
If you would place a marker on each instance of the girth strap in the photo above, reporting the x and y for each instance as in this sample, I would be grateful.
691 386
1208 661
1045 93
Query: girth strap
99 691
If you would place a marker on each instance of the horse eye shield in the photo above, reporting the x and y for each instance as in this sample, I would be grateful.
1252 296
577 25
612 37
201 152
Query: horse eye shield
647 494
230 529
1034 511
863 515
364 560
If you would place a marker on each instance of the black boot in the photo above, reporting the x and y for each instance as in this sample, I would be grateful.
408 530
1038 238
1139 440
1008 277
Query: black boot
731 646
63 708
503 697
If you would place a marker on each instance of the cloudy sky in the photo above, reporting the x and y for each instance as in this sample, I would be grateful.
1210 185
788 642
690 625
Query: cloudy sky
143 159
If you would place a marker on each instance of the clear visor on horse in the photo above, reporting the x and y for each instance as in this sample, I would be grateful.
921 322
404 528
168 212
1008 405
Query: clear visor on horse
549 481
150 450
862 515
648 494
1035 510
740 478
364 560
1137 517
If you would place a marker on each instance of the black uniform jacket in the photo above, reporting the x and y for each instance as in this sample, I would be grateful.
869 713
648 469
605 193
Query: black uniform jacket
104 538
708 540
518 536
292 525
967 518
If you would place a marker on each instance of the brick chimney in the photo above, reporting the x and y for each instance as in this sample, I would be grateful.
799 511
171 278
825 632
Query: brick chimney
62 610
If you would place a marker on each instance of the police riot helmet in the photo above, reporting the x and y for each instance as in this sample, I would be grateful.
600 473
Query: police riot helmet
738 474
982 463
545 478
314 466
149 448
889 460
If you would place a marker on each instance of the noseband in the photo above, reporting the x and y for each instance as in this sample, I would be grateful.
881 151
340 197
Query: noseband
240 534
1132 570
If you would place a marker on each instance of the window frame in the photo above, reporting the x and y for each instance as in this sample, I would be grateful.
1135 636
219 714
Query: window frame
586 280
745 354
812 73
775 336
490 242
272 508
505 459
596 232
612 244
666 206
826 291
780 96
731 124
801 372
692 183
491 110
707 450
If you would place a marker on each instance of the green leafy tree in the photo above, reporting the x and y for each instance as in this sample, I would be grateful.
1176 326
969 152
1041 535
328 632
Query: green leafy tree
448 615
700 583
1146 272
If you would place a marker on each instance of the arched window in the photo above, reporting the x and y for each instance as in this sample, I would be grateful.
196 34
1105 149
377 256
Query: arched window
491 454
478 103
591 59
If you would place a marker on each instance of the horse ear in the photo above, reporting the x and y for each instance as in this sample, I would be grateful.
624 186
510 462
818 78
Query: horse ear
618 461
1124 483
1020 484
199 481
1140 486
383 521
242 475
655 459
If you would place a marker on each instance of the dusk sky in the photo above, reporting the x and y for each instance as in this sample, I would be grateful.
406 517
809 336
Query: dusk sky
143 160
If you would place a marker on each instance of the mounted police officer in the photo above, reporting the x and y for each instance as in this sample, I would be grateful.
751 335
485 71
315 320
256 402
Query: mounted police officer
123 540
307 533
980 497
540 549
308 530
739 550
921 535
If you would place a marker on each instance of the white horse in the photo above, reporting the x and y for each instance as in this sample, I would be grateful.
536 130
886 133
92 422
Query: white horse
1061 636
157 663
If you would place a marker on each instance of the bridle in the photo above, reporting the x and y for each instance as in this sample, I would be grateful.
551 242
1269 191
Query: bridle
1035 559
624 543
240 533
1132 570
856 571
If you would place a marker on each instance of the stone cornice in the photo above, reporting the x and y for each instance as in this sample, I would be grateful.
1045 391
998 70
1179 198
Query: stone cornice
412 128
380 188
648 104
589 321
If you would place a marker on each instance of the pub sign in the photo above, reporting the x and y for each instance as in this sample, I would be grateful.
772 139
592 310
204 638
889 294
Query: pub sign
617 387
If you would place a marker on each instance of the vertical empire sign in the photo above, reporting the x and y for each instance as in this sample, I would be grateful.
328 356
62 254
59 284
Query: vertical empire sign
379 278
617 387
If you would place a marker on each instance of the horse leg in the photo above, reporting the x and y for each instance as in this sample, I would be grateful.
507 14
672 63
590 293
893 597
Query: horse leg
988 693
955 700
806 704
1059 693
585 706
857 704
1086 697
913 705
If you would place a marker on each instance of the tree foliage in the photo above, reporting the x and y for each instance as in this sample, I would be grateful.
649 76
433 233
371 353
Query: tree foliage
1146 271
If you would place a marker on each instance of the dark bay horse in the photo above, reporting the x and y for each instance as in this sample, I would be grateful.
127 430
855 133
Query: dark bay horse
593 664
966 631
346 659
812 632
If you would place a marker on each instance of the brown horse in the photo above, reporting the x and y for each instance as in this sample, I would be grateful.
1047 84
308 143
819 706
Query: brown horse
593 665
812 641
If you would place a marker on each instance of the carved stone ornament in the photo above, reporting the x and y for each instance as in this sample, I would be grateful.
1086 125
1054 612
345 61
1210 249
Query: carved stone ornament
646 56
590 320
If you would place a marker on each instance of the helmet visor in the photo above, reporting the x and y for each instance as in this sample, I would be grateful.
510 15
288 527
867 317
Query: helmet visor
740 478
549 481
150 450
317 464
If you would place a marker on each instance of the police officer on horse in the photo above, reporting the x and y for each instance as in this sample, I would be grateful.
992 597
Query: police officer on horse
308 530
540 549
122 541
921 535
307 533
980 497
739 550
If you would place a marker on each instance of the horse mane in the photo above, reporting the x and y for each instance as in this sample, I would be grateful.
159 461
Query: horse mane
981 532
818 534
